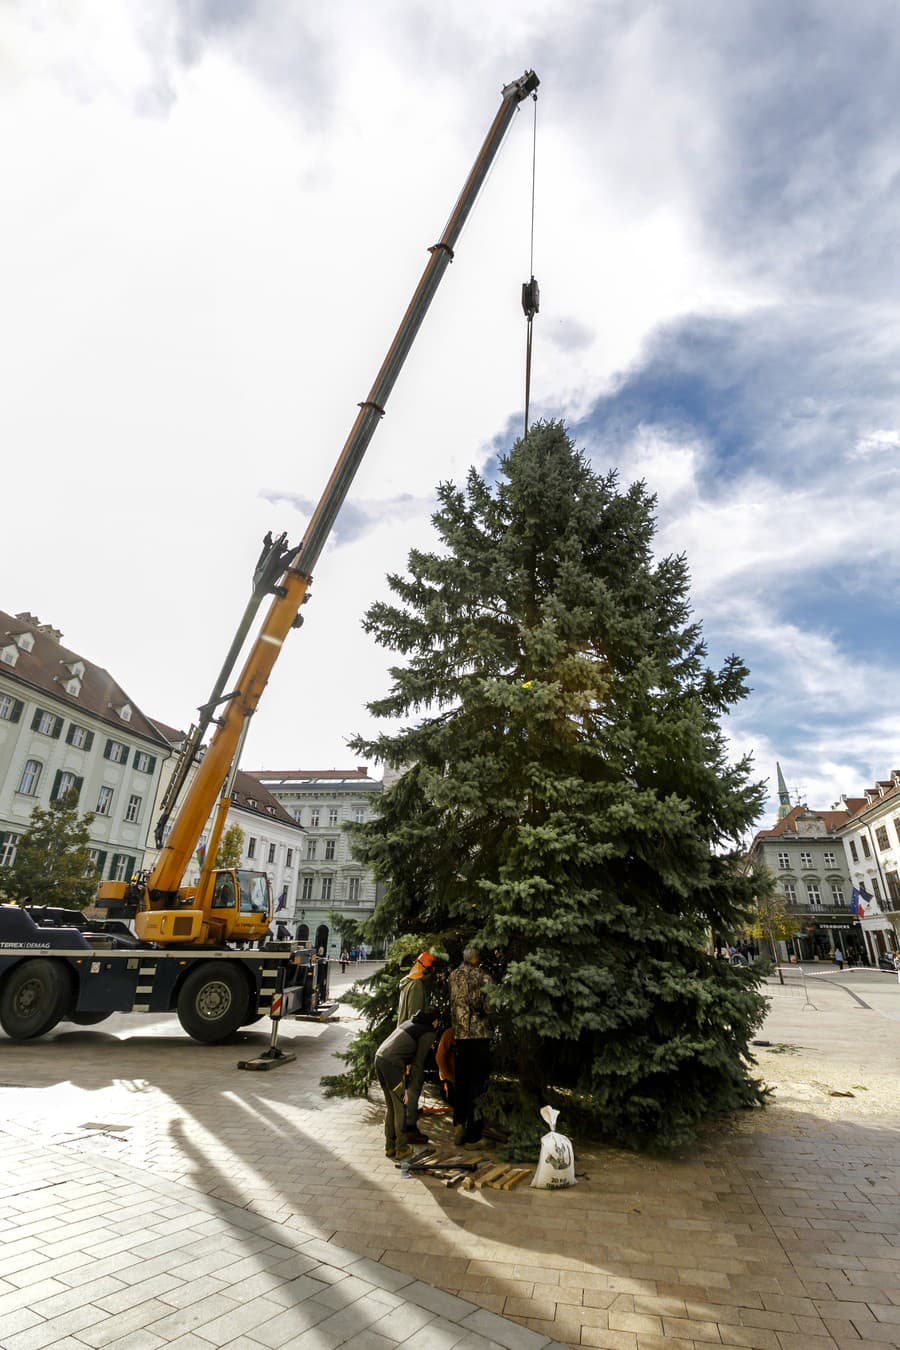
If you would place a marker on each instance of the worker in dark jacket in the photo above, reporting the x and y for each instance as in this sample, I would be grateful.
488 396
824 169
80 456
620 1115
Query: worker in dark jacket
408 1045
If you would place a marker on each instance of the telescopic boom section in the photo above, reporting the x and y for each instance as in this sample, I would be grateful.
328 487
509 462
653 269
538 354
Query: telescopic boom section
200 799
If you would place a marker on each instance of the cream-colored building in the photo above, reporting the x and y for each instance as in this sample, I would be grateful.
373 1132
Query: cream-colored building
323 802
66 725
871 841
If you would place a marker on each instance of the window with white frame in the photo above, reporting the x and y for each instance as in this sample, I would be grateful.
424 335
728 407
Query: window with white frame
353 888
251 847
829 858
812 894
10 708
104 801
790 892
837 895
64 784
881 836
47 723
306 889
805 859
143 762
314 817
8 841
311 849
853 853
359 814
329 849
289 858
784 862
333 816
97 861
865 846
116 752
133 809
79 737
122 867
326 888
271 856
31 776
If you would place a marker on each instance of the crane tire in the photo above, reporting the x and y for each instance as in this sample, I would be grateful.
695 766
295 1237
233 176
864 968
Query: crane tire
87 1019
33 999
213 1001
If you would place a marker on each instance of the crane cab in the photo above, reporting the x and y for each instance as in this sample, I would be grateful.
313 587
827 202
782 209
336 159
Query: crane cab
238 909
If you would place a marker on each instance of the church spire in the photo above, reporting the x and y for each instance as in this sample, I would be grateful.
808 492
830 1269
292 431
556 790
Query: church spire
784 800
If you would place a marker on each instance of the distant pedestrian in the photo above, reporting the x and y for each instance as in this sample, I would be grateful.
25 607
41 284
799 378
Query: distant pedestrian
345 957
839 958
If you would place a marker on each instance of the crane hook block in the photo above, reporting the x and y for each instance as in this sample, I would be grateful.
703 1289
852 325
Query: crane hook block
531 298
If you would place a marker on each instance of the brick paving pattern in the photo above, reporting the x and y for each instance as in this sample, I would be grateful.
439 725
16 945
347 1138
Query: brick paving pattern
153 1196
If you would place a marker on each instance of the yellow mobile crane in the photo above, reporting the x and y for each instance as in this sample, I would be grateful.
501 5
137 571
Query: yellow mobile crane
192 953
234 905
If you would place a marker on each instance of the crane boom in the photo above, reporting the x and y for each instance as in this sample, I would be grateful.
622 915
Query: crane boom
163 883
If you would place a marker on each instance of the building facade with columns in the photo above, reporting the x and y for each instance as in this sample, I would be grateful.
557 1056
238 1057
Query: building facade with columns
324 802
805 852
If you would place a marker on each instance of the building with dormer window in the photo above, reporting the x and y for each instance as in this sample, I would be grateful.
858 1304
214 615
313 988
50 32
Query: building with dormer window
871 840
65 724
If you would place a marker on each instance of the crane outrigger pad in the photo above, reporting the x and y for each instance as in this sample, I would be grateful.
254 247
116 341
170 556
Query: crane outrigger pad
272 1058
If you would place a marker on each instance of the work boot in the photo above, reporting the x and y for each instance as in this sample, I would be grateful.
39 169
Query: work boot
401 1153
459 1134
476 1143
390 1152
415 1135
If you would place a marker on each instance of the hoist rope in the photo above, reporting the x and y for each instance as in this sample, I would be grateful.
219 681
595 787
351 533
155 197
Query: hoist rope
530 293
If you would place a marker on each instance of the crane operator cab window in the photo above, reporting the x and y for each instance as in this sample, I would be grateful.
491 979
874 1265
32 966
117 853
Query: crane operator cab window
254 892
223 893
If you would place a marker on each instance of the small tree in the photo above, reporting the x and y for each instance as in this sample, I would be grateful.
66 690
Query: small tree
349 931
53 862
771 919
231 849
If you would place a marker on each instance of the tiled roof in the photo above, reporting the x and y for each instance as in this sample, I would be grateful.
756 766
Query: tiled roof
862 804
47 667
250 795
247 788
787 827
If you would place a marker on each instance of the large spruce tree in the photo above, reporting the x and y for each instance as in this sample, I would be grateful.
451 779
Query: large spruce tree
567 800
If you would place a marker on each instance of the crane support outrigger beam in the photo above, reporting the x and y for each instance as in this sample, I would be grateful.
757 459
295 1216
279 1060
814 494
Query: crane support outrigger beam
162 885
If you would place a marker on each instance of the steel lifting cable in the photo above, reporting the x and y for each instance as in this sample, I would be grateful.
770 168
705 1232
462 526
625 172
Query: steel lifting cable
531 295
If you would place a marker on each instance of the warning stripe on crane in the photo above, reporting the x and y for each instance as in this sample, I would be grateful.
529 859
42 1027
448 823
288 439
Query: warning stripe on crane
146 976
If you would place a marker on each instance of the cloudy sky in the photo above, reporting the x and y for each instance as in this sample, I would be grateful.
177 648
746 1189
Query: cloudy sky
215 212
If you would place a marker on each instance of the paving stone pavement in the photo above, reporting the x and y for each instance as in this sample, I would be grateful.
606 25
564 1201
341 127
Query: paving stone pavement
153 1196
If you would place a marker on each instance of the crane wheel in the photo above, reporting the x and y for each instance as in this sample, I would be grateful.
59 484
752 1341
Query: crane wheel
33 999
213 1001
87 1019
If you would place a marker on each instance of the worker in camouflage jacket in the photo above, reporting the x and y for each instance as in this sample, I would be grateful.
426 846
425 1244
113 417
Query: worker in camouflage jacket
469 994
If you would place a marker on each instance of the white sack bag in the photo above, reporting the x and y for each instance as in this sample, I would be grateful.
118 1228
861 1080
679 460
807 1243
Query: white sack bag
556 1168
